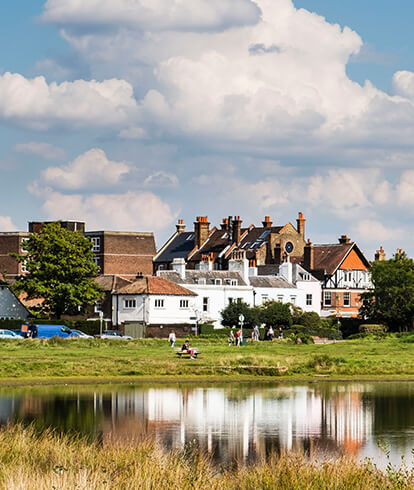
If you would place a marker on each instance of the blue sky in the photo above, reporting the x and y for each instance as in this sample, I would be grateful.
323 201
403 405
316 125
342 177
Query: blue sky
130 118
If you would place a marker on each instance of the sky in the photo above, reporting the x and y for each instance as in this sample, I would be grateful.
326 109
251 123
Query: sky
129 115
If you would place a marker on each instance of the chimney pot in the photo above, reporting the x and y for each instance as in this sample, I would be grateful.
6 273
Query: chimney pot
267 223
300 225
180 226
344 239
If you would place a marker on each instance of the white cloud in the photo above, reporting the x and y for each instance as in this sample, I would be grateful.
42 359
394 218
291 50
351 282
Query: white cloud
405 189
403 84
130 211
44 150
161 179
133 133
6 224
374 230
153 14
35 104
92 169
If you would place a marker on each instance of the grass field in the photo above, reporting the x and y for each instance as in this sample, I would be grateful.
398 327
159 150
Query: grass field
29 460
91 358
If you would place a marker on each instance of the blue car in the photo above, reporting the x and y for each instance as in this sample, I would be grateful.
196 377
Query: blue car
45 331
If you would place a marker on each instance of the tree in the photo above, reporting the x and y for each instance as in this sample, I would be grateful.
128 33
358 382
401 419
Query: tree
60 271
391 301
276 314
231 313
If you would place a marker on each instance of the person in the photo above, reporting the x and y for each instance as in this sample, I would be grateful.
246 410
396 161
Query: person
186 348
271 333
172 338
238 338
256 333
280 333
231 338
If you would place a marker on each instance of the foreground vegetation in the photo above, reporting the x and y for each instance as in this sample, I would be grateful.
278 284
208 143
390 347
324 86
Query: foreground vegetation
49 460
391 356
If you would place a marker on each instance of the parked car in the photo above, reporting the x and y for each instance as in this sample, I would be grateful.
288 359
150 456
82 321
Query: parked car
113 335
80 334
45 331
9 334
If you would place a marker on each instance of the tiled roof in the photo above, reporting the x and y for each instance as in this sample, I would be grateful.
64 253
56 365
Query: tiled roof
270 282
179 248
111 282
194 276
216 243
328 257
156 286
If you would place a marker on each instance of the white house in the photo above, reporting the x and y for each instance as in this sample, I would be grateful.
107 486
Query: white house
153 301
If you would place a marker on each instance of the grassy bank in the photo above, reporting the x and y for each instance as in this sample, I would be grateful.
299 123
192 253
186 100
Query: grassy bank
49 461
91 358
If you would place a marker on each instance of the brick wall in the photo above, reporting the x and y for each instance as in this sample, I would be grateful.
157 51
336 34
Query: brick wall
10 243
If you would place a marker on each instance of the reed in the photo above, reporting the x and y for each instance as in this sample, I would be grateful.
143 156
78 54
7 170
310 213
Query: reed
53 461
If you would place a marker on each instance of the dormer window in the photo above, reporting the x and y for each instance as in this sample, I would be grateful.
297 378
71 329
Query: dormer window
217 282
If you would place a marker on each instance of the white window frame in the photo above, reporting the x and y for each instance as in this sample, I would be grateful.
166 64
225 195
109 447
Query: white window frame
96 243
206 304
159 303
130 304
23 250
280 298
98 306
293 300
347 294
217 282
265 297
184 304
309 299
327 294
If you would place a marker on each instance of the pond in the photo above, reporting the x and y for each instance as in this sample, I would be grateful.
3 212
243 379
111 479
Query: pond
232 421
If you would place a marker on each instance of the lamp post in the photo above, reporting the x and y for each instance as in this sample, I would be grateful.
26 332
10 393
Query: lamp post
241 321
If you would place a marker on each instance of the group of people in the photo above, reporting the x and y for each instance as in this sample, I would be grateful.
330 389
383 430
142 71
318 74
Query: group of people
269 335
235 339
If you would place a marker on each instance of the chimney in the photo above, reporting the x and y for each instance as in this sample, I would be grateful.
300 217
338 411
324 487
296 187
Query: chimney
239 263
278 253
267 223
201 230
285 270
225 225
309 256
301 225
236 229
252 268
180 226
207 262
178 265
344 239
380 255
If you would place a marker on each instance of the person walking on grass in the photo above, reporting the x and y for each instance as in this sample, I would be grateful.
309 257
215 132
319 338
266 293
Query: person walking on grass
256 333
172 338
270 333
231 338
238 338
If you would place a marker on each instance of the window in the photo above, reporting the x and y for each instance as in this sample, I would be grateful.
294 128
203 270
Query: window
190 237
231 282
230 301
327 298
183 303
96 244
293 300
24 266
205 304
217 282
348 276
159 303
22 245
306 277
98 306
130 303
308 300
280 298
347 299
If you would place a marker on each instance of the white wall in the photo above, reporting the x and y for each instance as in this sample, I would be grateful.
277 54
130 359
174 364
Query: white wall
314 288
283 295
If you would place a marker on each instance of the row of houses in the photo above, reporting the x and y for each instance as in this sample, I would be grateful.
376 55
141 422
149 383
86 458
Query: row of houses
197 273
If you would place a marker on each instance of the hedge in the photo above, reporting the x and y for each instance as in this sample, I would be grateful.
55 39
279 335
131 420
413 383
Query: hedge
328 333
372 328
91 327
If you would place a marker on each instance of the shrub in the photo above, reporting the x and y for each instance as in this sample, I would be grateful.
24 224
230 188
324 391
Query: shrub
11 324
328 333
304 337
310 320
329 322
276 314
372 328
231 314
349 326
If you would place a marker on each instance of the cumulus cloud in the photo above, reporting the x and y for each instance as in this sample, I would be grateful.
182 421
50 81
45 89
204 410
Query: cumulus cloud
44 150
92 169
161 179
38 105
153 14
6 224
405 189
130 211
374 230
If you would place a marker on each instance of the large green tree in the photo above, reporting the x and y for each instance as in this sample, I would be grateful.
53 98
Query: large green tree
231 314
60 270
391 301
276 314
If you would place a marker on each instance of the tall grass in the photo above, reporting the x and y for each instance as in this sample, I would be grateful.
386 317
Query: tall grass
53 461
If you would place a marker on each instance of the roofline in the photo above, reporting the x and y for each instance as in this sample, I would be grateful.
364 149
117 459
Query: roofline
15 233
353 245
165 245
127 233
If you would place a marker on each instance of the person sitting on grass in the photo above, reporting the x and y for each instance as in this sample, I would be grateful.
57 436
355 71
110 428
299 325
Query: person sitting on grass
186 348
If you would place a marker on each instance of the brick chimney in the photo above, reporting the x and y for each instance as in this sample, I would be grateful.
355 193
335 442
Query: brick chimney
278 253
201 230
225 225
300 225
267 223
344 239
236 228
180 226
380 255
309 256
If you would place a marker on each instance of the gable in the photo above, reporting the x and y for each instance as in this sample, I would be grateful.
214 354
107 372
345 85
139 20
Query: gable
353 262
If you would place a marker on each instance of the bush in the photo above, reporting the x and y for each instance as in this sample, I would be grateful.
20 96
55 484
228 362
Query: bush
208 330
349 326
11 324
304 338
328 333
329 322
310 320
231 313
276 314
372 329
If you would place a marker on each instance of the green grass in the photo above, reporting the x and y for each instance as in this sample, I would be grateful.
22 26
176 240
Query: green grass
96 359
56 461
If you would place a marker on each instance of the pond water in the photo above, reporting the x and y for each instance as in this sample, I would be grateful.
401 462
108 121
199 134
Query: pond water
232 421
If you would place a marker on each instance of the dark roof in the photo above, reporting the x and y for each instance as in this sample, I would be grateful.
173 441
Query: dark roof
178 248
268 270
215 244
111 283
270 282
193 276
155 285
328 257
301 272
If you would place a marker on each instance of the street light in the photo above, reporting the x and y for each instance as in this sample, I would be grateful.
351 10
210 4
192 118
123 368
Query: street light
241 321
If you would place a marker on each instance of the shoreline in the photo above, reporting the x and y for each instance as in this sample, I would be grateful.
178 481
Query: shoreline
136 380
